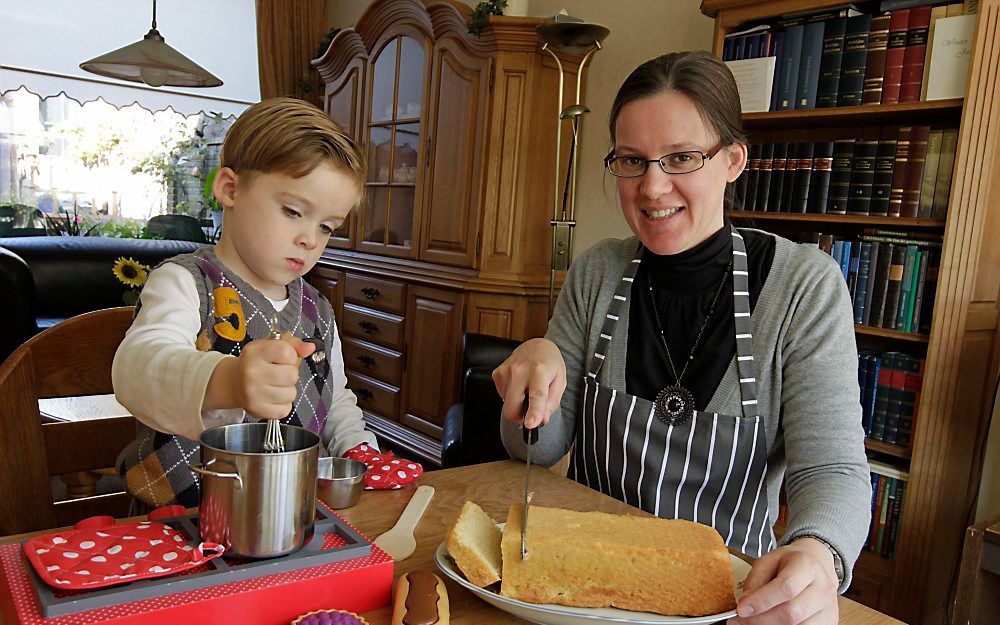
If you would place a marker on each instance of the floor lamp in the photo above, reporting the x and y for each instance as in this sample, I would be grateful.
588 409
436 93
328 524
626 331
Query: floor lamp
571 38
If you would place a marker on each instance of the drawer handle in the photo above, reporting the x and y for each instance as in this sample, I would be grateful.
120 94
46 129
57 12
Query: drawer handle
370 292
366 361
368 327
364 394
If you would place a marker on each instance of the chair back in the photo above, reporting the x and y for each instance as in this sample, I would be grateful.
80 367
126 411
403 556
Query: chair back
72 358
179 227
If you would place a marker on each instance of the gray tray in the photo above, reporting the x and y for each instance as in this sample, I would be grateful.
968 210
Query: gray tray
220 570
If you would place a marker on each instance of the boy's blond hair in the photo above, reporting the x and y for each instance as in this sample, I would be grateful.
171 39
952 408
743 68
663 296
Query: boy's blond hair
289 136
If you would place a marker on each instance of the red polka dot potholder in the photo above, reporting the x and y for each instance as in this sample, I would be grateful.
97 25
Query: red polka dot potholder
114 554
385 471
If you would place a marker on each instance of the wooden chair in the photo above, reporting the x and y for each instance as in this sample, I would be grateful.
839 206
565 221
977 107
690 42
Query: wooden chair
72 358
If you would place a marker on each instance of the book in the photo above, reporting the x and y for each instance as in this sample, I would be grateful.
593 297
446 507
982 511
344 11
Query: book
819 181
861 282
753 80
929 290
942 188
803 176
885 160
878 490
913 56
911 297
791 169
900 170
878 41
880 283
895 398
891 5
840 176
894 286
845 260
778 162
952 51
852 68
808 80
937 12
899 19
900 498
764 177
749 196
926 203
853 262
904 305
868 401
914 170
913 377
862 177
830 60
777 51
876 247
788 66
882 396
918 298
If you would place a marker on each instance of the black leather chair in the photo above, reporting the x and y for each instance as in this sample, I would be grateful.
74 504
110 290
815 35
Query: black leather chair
177 228
472 426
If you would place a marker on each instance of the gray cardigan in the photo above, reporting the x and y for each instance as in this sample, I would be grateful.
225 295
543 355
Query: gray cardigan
805 351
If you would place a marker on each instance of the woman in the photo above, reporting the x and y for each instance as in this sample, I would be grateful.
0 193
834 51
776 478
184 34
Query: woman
695 366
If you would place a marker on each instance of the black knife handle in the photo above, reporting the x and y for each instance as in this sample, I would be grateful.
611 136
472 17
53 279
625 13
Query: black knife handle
530 436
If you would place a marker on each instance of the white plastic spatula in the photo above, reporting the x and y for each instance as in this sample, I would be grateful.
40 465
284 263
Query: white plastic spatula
398 542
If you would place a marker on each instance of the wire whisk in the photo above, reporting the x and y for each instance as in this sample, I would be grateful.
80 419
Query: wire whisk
274 442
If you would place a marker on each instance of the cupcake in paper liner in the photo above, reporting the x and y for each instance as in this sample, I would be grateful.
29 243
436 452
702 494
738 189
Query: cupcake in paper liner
329 617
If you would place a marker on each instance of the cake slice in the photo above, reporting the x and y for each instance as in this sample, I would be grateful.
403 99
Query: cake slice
595 559
473 541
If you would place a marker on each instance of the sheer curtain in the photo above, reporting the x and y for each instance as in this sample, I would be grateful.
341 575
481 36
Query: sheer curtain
288 35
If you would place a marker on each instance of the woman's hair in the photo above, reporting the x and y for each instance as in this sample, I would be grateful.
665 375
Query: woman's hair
289 136
698 75
701 77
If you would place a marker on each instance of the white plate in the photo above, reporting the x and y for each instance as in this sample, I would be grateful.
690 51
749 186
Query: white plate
549 614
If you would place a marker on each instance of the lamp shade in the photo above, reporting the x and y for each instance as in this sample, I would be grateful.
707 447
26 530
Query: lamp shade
152 61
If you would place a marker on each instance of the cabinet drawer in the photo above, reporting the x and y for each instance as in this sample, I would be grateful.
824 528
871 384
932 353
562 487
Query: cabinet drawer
375 293
865 589
374 326
372 360
374 396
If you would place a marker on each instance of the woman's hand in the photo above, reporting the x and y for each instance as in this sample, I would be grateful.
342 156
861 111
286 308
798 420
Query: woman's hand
536 370
793 584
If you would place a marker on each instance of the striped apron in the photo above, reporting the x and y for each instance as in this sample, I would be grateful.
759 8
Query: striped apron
710 469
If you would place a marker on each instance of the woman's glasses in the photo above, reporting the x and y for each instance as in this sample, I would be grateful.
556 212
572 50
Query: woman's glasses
676 163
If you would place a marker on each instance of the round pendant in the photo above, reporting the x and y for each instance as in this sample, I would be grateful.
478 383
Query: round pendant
674 405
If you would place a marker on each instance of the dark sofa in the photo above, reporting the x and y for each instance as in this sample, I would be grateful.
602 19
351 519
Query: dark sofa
47 279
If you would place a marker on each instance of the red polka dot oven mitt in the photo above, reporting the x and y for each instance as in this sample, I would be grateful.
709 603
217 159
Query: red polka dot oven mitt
102 553
385 471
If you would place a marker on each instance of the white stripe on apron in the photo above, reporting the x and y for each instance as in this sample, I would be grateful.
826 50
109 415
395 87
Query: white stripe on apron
711 469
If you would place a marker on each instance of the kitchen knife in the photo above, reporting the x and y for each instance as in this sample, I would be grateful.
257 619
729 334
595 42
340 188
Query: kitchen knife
530 438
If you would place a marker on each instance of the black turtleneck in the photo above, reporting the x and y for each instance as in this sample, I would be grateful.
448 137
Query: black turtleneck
684 286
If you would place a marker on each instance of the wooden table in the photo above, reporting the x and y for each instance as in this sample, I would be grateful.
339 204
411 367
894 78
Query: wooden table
494 486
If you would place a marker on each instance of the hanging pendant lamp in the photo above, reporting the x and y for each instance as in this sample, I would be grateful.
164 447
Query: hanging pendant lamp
153 62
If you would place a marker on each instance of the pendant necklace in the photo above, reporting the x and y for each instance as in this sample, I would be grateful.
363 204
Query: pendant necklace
674 404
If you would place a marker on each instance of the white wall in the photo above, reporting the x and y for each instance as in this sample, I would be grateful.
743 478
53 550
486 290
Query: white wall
640 30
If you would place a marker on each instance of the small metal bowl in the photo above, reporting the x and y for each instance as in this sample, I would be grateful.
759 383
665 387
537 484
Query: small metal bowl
340 481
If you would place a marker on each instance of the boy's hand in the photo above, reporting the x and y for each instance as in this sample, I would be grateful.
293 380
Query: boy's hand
267 375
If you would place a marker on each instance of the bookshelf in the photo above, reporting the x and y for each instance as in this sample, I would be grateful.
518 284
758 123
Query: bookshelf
961 349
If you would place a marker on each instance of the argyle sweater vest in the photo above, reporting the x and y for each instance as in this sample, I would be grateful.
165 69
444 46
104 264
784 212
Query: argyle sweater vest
233 313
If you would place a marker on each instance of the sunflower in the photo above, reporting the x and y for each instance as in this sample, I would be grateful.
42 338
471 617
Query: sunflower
130 272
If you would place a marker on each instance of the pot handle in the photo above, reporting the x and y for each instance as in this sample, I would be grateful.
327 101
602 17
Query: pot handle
200 468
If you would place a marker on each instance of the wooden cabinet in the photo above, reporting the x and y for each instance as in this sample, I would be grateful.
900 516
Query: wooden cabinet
960 373
459 133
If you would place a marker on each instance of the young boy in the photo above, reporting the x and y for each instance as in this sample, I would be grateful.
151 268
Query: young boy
192 359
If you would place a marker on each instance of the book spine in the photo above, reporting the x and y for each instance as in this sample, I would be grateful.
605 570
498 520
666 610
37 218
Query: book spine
911 299
918 294
764 177
845 261
753 170
861 283
942 187
852 70
778 164
900 170
812 51
864 371
885 517
913 379
840 176
937 13
929 291
874 369
878 42
929 180
881 283
882 397
862 177
788 184
894 535
914 170
895 399
913 56
778 52
906 287
803 176
819 182
894 286
789 76
878 487
895 48
872 270
830 61
885 160
854 260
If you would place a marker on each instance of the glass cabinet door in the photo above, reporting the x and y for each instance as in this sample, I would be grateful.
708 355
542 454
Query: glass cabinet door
393 133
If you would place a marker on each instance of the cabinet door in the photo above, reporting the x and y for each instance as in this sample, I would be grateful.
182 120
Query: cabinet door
330 283
433 334
394 131
453 192
342 101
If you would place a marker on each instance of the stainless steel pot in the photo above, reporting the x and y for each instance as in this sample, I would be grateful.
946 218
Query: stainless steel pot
259 505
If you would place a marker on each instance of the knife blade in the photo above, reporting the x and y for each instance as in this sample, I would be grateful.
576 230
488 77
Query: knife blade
530 438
